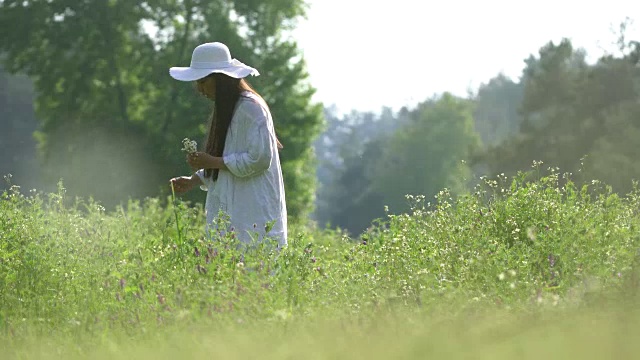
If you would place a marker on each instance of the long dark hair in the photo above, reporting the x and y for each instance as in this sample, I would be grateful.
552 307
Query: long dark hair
228 92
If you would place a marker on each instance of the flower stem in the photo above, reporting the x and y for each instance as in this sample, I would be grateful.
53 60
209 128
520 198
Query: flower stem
175 212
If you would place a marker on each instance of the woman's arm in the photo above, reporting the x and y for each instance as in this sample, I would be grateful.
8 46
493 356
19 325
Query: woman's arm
258 155
201 160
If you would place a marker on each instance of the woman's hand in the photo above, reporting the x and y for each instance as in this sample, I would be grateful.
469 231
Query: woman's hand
182 184
200 160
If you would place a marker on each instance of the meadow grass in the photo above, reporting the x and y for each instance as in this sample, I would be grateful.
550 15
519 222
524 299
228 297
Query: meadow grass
518 268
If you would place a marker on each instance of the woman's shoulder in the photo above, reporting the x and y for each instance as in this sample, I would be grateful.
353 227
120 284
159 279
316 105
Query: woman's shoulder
251 104
251 97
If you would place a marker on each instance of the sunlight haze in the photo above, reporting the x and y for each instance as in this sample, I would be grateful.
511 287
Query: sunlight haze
363 55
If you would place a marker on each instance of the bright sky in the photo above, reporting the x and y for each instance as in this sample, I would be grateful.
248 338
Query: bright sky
366 54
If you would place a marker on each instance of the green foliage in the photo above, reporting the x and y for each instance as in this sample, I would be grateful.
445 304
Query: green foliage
74 267
348 151
375 161
428 153
496 113
109 111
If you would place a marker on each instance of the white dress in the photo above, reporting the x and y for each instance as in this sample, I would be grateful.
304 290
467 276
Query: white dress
251 192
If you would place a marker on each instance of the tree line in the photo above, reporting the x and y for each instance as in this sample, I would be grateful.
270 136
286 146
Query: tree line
582 119
109 121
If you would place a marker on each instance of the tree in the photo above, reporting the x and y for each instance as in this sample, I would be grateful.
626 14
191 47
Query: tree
347 151
615 156
497 105
111 117
428 154
571 111
550 84
377 160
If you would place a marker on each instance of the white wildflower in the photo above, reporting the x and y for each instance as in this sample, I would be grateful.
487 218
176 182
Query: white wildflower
189 146
531 233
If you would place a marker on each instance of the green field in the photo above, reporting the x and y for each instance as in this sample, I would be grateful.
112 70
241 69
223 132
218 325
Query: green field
518 268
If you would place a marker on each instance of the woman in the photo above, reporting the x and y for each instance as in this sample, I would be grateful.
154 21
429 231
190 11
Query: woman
240 167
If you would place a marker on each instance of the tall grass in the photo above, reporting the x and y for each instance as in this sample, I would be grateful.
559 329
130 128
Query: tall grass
497 272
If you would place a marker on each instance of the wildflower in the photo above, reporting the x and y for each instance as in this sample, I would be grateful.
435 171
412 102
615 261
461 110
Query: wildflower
531 233
501 276
196 252
189 146
313 259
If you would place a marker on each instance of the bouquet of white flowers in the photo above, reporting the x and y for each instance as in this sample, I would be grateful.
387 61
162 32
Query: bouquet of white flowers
189 146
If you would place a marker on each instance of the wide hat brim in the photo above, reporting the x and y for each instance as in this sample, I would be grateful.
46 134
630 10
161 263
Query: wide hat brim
238 70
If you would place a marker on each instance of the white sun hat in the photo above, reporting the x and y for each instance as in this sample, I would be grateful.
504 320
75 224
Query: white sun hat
211 58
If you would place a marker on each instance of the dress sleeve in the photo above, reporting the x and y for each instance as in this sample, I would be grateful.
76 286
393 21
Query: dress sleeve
259 147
